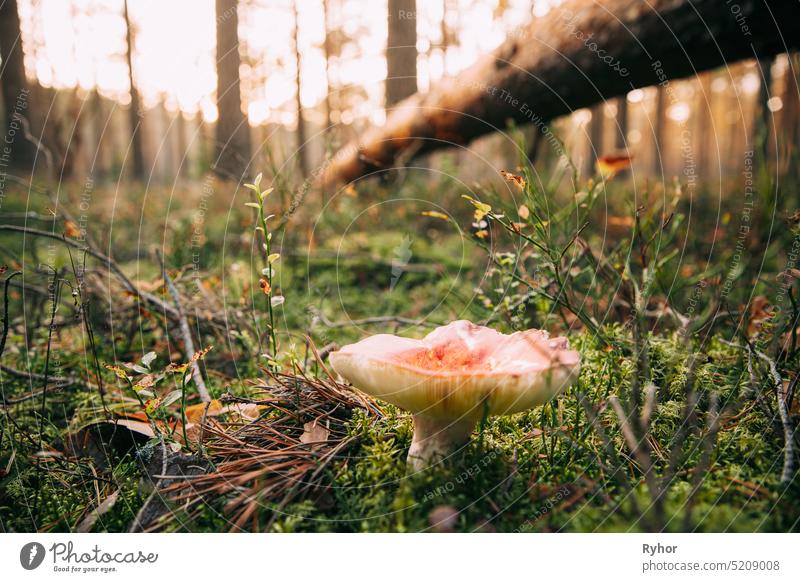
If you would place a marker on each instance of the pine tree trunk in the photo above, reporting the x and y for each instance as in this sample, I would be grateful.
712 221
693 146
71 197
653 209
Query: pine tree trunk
401 51
553 66
621 135
326 47
134 117
17 102
659 122
704 114
302 147
233 132
595 138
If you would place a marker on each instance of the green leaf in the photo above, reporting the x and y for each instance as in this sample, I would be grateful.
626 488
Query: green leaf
253 205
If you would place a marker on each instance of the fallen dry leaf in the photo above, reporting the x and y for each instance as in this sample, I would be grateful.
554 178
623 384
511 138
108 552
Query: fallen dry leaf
314 433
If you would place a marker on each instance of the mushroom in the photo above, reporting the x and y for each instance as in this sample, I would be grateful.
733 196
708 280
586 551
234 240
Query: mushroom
454 376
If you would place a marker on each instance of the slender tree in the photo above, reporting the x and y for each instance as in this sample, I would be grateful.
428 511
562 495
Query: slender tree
761 130
659 124
445 32
302 148
327 50
401 51
17 102
233 130
595 138
704 126
621 137
790 128
134 118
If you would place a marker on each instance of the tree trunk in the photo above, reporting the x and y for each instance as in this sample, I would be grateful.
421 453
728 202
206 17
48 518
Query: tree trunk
233 131
595 138
16 94
659 122
302 147
761 126
134 118
326 47
621 135
555 65
704 115
789 133
401 51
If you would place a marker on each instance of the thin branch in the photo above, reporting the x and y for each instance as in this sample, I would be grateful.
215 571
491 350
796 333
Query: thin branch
5 311
186 332
373 321
783 409
107 261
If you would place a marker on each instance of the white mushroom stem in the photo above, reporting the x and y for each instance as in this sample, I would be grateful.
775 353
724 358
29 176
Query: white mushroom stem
436 438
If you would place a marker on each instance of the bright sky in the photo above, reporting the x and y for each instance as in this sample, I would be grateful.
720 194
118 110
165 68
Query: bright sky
81 43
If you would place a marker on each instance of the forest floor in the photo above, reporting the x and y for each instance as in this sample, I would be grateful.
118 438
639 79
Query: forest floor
682 419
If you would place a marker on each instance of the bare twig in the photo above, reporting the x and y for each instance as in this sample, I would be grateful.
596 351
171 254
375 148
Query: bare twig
702 466
650 398
782 398
373 321
594 421
5 311
186 332
641 450
786 422
107 261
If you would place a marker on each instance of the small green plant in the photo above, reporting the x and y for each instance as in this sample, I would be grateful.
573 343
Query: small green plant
143 381
268 272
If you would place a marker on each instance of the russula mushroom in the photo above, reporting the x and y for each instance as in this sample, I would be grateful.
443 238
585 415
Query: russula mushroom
454 376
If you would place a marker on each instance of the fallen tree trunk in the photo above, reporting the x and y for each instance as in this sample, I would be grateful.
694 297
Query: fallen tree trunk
579 54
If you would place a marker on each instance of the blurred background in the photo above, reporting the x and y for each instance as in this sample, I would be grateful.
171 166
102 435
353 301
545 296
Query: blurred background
310 75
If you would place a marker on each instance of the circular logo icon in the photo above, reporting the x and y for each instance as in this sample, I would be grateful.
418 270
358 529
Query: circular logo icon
31 555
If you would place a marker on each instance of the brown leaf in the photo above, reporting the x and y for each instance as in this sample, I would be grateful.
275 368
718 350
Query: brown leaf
519 181
71 229
137 426
314 433
195 412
